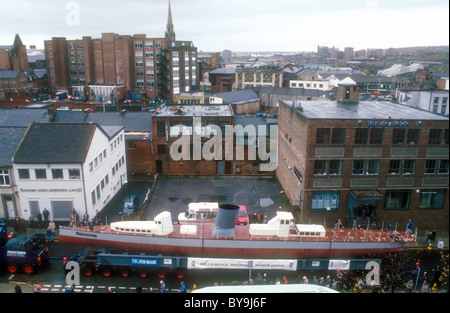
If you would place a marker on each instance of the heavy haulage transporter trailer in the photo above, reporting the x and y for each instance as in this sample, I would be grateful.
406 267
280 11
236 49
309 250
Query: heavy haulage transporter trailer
109 261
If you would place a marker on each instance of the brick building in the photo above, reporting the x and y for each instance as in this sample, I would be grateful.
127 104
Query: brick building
14 57
337 155
222 80
171 122
148 68
267 76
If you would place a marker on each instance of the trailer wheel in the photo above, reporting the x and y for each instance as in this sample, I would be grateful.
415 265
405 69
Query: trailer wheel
12 268
28 269
180 275
88 271
143 274
106 272
125 273
161 275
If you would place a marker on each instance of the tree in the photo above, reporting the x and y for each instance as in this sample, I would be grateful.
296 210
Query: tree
396 270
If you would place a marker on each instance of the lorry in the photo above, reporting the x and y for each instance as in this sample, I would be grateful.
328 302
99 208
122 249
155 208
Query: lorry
22 253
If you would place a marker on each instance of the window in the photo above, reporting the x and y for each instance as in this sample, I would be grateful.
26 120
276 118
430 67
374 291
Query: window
338 137
398 137
361 136
435 136
298 174
432 199
4 178
394 167
40 173
161 128
408 167
397 199
430 167
323 136
98 191
161 149
24 173
93 197
57 174
174 129
445 139
74 174
335 167
358 167
325 201
320 167
376 136
413 137
373 167
443 167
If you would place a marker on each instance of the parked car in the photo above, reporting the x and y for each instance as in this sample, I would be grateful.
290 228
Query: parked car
242 218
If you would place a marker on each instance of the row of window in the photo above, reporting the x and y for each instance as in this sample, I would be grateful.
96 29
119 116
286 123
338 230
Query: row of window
56 173
372 167
374 136
186 128
147 44
97 161
394 199
96 193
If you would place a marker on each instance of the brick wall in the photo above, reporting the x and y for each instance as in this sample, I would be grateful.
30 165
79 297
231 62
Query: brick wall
298 149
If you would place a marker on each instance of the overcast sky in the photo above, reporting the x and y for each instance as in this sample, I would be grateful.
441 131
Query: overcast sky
237 25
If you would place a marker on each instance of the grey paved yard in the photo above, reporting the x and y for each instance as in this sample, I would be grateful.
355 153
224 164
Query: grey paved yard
257 193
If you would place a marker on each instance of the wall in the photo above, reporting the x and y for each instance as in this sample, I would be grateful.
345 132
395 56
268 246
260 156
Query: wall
298 148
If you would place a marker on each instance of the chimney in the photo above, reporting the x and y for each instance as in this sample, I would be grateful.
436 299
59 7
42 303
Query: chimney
348 93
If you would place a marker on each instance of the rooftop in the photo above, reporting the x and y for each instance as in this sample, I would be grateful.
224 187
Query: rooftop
363 110
239 96
58 142
9 140
194 111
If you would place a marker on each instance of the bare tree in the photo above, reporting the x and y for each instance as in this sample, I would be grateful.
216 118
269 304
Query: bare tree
397 270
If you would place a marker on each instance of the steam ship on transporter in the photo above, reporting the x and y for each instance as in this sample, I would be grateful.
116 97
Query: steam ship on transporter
279 238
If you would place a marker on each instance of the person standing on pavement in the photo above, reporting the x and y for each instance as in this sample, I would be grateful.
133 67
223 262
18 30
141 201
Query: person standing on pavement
45 214
49 232
39 218
183 287
440 244
162 287
17 289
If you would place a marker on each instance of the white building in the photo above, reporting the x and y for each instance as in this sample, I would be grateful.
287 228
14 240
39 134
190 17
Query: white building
436 101
65 166
310 84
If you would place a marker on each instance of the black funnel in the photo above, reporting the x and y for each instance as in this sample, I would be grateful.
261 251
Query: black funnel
225 220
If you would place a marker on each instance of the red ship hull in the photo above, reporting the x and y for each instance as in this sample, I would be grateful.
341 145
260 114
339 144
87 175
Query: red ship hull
241 246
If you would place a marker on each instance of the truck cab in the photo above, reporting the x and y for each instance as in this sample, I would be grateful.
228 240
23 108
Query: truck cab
19 252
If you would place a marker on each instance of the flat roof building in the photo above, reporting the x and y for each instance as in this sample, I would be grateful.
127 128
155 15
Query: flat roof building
335 156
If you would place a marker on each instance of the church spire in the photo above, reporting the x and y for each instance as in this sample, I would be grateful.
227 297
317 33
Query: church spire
170 33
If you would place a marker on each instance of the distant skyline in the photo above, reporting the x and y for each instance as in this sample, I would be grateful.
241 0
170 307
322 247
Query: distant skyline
236 25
